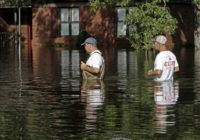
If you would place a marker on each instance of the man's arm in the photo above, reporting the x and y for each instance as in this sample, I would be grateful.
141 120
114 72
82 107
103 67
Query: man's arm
176 69
89 68
155 72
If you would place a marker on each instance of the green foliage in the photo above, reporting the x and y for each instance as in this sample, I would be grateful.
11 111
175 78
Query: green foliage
149 20
98 4
146 21
95 5
16 3
196 2
124 2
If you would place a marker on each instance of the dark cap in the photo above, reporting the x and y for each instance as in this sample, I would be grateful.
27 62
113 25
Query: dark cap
90 40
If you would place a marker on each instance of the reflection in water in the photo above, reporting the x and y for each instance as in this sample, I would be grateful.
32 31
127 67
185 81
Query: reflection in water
197 73
56 104
70 70
122 63
46 65
52 67
92 94
165 94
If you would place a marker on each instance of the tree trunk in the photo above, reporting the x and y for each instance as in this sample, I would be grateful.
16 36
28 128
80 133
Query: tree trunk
197 28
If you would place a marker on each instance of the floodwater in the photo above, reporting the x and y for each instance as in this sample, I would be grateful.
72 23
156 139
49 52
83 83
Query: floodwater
42 97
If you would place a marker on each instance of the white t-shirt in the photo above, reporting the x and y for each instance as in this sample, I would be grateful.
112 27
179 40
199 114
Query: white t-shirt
95 59
165 61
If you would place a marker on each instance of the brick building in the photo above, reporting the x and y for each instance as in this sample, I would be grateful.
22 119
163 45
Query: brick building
68 22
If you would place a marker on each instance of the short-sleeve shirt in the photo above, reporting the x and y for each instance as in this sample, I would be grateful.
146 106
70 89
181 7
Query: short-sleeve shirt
95 59
165 61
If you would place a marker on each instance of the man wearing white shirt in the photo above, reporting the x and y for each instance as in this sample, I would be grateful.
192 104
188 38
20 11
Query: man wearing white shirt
94 66
165 63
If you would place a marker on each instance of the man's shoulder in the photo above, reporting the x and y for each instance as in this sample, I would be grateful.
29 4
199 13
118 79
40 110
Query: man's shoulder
96 54
165 53
160 54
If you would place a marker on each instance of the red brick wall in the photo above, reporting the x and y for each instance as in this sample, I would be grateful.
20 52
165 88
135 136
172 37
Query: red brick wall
102 25
44 25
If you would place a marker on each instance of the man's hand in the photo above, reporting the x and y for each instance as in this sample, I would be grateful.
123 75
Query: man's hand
154 72
150 72
176 69
83 65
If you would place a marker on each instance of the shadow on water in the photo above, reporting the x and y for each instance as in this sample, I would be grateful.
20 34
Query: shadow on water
53 102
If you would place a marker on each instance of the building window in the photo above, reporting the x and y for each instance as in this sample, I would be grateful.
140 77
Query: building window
69 21
121 26
122 29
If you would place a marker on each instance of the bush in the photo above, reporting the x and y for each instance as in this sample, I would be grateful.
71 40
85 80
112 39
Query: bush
148 20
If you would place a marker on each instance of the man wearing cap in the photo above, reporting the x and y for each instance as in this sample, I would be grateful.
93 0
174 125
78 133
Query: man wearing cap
165 63
94 66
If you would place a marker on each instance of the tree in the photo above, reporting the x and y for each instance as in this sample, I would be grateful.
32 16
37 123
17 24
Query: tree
16 3
197 24
98 4
147 20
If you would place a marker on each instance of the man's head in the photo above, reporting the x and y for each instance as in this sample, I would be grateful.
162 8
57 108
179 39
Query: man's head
160 42
161 39
90 40
90 44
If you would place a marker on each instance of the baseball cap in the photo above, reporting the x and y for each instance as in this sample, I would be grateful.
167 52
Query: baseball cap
161 39
90 40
